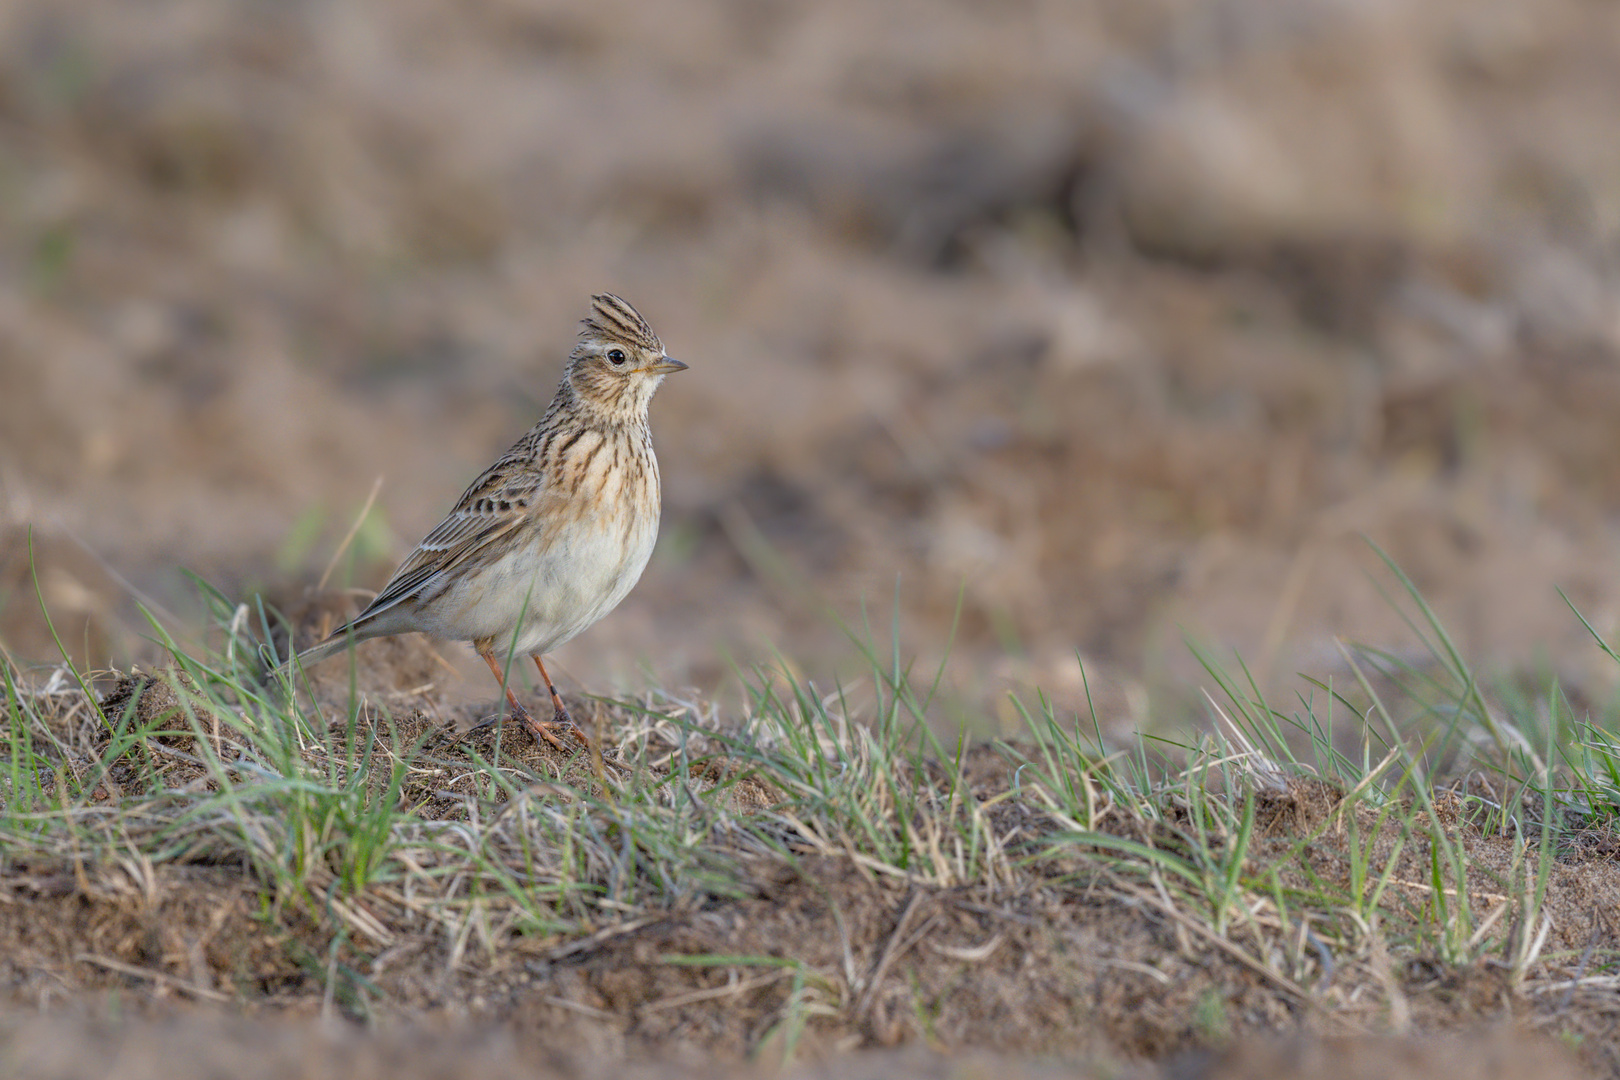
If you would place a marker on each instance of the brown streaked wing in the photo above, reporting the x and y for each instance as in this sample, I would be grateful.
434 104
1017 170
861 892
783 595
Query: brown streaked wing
494 505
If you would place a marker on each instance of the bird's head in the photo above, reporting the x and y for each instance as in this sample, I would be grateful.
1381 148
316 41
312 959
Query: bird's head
619 361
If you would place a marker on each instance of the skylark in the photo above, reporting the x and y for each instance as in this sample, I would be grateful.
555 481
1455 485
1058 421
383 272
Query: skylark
553 535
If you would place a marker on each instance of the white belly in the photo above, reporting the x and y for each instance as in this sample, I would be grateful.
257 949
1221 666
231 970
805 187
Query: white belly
530 602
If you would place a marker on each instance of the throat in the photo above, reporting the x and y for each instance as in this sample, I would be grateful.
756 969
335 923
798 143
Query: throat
613 417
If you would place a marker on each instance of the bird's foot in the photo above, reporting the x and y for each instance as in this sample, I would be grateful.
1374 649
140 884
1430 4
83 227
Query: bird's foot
549 729
561 722
543 729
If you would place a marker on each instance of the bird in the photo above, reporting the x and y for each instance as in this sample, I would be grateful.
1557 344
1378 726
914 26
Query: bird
553 535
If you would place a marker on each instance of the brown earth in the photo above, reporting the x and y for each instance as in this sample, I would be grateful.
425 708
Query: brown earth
817 954
60 1048
1129 319
1118 320
119 963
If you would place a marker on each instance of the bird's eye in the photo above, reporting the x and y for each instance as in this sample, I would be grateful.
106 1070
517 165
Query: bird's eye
616 356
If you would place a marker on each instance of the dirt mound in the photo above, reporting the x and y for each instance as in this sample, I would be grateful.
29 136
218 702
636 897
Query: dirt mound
808 952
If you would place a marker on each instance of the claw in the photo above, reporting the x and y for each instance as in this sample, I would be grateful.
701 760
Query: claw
547 730
542 730
561 721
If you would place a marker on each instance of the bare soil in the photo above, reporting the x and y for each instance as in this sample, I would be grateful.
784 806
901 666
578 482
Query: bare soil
815 955
209 1045
1128 320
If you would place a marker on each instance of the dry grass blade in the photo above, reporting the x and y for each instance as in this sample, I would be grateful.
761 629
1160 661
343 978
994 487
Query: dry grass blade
753 856
153 976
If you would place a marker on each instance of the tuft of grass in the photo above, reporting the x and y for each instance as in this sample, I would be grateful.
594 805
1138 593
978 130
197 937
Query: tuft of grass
1314 846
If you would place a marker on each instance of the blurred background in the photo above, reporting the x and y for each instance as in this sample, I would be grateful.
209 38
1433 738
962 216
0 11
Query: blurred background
1112 321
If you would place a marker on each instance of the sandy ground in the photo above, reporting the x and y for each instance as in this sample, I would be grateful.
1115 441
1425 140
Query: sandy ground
1122 320
59 1049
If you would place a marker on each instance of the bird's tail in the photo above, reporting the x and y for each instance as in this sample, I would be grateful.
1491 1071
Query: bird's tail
318 652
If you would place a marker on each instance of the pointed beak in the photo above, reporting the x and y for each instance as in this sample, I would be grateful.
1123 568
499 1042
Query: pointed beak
667 366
